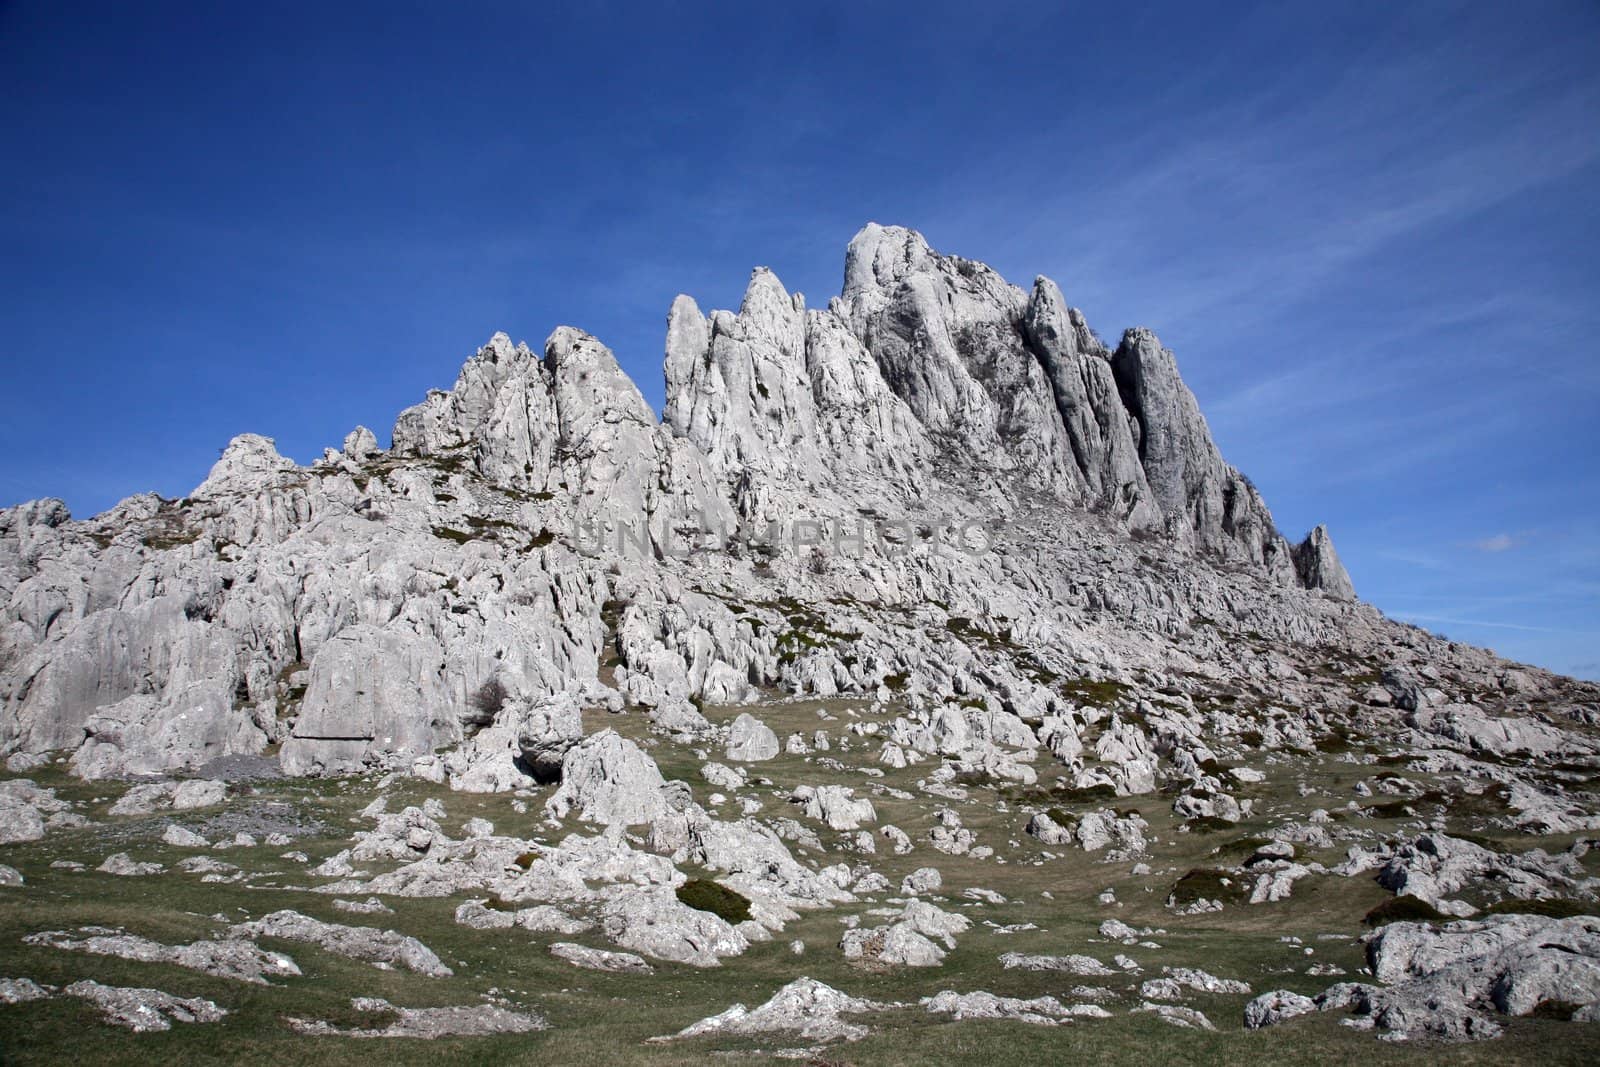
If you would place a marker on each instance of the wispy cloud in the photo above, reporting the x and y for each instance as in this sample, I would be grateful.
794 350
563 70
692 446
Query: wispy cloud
1501 542
1424 560
1494 624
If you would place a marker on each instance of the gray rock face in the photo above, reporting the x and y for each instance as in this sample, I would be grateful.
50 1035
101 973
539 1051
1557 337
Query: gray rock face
1511 962
913 940
384 948
536 536
608 779
181 837
594 959
547 731
1450 982
1039 1011
1433 867
1319 567
170 796
836 806
144 1010
21 991
19 821
1270 1009
1084 966
804 1007
123 864
230 958
751 741
1176 1015
426 1024
1202 500
654 922
899 945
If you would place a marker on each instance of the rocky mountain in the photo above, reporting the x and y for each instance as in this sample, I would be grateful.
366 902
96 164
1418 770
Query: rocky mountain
389 587
939 521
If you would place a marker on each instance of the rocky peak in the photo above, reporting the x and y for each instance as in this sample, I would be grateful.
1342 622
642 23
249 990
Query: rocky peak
929 358
497 414
249 461
737 385
589 387
1089 405
878 257
1319 566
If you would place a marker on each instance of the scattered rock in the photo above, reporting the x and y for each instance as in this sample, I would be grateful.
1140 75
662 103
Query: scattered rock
805 1007
144 1010
1083 966
751 741
426 1024
594 959
232 958
1040 1011
170 796
1270 1009
124 864
383 948
21 990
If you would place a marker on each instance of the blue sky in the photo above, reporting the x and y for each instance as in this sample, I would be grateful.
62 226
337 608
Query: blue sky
1369 236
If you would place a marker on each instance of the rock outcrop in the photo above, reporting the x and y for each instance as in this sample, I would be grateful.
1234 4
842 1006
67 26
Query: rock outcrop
534 542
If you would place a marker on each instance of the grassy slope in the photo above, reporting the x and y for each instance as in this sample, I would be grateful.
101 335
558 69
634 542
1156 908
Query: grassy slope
599 1018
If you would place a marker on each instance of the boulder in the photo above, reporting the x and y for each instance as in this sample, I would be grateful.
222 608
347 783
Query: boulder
608 779
750 740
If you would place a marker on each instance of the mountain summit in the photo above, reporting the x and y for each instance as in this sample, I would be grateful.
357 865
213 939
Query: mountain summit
936 445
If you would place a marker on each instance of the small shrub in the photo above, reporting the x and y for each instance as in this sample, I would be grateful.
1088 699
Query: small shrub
702 894
1206 883
1334 743
1559 1010
1391 809
1402 909
168 538
1096 693
485 704
1088 794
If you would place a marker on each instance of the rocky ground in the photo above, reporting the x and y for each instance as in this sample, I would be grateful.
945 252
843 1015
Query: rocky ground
1352 892
1074 754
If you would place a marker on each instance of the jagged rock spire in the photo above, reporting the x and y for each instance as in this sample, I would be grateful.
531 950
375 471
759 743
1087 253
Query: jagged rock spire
961 369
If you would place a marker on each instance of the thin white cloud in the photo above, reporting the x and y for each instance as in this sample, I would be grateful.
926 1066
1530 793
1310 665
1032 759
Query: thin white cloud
1501 542
1492 624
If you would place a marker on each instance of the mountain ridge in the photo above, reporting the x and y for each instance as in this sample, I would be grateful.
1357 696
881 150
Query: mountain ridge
930 394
